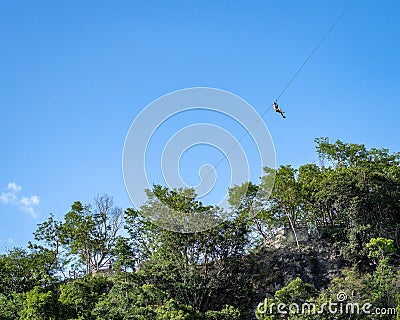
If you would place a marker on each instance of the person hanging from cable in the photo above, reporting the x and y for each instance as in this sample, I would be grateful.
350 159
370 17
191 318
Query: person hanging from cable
277 109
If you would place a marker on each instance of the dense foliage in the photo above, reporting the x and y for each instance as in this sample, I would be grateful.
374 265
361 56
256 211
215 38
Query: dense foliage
102 263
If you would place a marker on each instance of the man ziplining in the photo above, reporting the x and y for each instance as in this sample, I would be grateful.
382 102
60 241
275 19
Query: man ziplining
277 109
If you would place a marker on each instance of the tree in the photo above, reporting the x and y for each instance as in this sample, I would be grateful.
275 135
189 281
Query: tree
78 298
91 233
171 310
285 201
11 306
194 268
249 202
50 233
21 271
129 298
39 305
227 313
359 194
287 301
340 154
380 248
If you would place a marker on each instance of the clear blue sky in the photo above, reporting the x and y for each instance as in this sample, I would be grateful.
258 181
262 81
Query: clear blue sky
75 74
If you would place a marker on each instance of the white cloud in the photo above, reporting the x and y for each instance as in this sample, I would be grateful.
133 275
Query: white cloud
10 195
26 204
7 197
12 186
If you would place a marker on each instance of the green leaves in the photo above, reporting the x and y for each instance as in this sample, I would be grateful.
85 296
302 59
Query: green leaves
11 306
295 294
381 248
20 270
193 267
78 298
39 305
351 201
91 233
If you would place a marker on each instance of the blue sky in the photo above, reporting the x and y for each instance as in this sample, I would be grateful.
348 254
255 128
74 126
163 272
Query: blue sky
74 75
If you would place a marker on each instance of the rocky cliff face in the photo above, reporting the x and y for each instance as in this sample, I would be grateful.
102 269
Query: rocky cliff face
316 263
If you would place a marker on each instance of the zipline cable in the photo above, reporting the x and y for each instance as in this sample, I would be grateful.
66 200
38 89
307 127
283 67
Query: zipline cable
315 49
287 85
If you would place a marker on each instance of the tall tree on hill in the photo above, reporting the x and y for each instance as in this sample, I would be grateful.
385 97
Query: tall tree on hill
194 268
91 232
48 238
